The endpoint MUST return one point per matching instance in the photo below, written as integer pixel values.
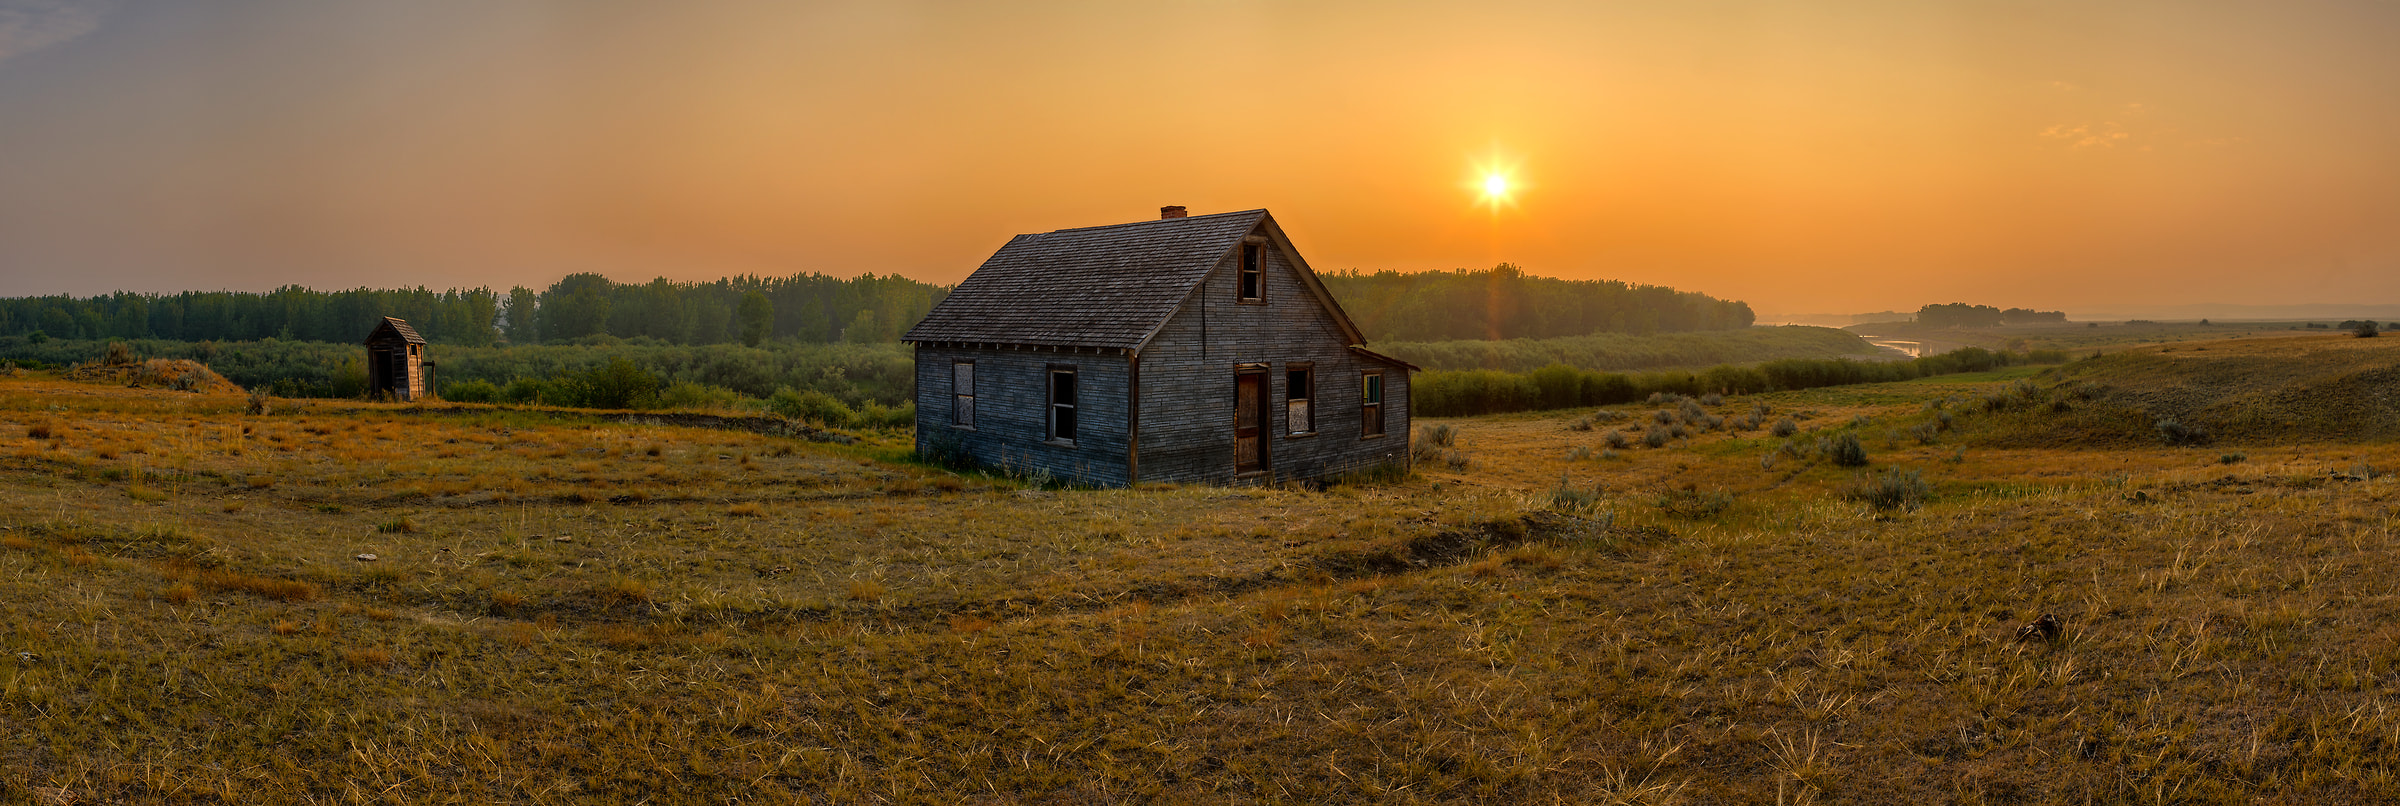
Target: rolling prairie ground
(585, 607)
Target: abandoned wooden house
(397, 366)
(1186, 349)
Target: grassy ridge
(2308, 388)
(598, 611)
(1628, 351)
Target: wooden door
(1249, 421)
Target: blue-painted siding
(1011, 412)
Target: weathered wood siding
(1011, 411)
(416, 374)
(1187, 384)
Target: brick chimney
(1171, 211)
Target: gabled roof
(397, 326)
(1110, 287)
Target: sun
(1496, 183)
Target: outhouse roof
(1109, 287)
(396, 326)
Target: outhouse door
(1249, 421)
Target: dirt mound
(178, 374)
(2302, 388)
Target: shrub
(1618, 440)
(2176, 433)
(471, 392)
(811, 406)
(1557, 386)
(1695, 504)
(877, 415)
(619, 384)
(526, 390)
(689, 395)
(1897, 489)
(1657, 436)
(1925, 432)
(1712, 399)
(1568, 499)
(1457, 461)
(1844, 450)
(1785, 427)
(2365, 330)
(2232, 458)
(1432, 439)
(945, 449)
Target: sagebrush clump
(1899, 488)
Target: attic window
(1253, 282)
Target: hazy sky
(1802, 156)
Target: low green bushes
(1485, 391)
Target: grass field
(584, 608)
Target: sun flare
(1495, 181)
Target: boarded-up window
(1299, 391)
(1253, 281)
(1062, 404)
(1371, 397)
(962, 394)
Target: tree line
(1960, 314)
(579, 308)
(1503, 302)
(290, 313)
(813, 308)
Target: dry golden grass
(1490, 635)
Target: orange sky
(1805, 157)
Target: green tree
(521, 324)
(758, 317)
(577, 306)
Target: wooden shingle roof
(397, 326)
(1108, 287)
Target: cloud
(30, 25)
(2106, 134)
